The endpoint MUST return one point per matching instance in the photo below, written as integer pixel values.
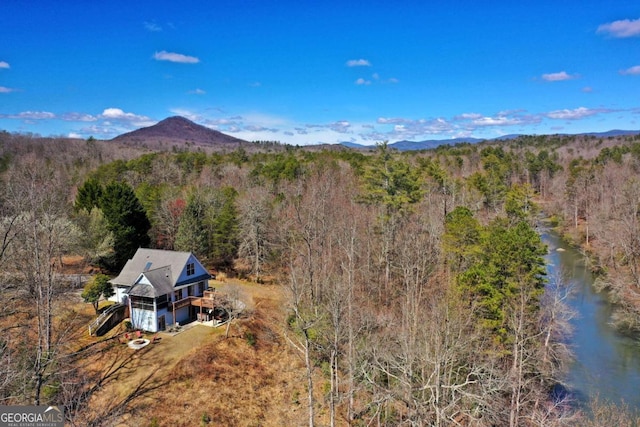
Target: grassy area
(199, 377)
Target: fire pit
(138, 343)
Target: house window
(177, 295)
(200, 288)
(162, 301)
(191, 269)
(143, 303)
(190, 291)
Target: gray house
(161, 288)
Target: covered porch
(208, 308)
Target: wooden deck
(211, 299)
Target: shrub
(251, 338)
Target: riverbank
(606, 364)
(610, 278)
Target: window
(162, 301)
(200, 288)
(177, 295)
(191, 269)
(143, 303)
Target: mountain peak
(178, 130)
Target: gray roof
(158, 258)
(160, 280)
(161, 268)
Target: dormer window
(191, 269)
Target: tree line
(415, 281)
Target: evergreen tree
(461, 238)
(126, 219)
(519, 204)
(225, 229)
(192, 235)
(89, 195)
(394, 187)
(510, 262)
(391, 182)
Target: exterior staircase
(108, 319)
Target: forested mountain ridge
(413, 280)
(178, 131)
(434, 143)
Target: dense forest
(415, 281)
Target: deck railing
(207, 301)
(104, 316)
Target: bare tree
(167, 220)
(628, 227)
(35, 190)
(555, 324)
(304, 319)
(254, 226)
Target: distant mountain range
(178, 131)
(433, 143)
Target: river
(607, 364)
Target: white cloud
(117, 114)
(390, 120)
(33, 115)
(633, 71)
(575, 114)
(194, 117)
(557, 77)
(74, 135)
(358, 63)
(341, 126)
(468, 116)
(197, 92)
(587, 89)
(411, 129)
(78, 117)
(474, 121)
(152, 27)
(105, 131)
(4, 64)
(29, 116)
(362, 82)
(257, 128)
(175, 57)
(4, 89)
(621, 29)
(497, 121)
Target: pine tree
(89, 195)
(126, 219)
(509, 263)
(192, 234)
(225, 226)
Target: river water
(607, 364)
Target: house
(161, 288)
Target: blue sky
(304, 72)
